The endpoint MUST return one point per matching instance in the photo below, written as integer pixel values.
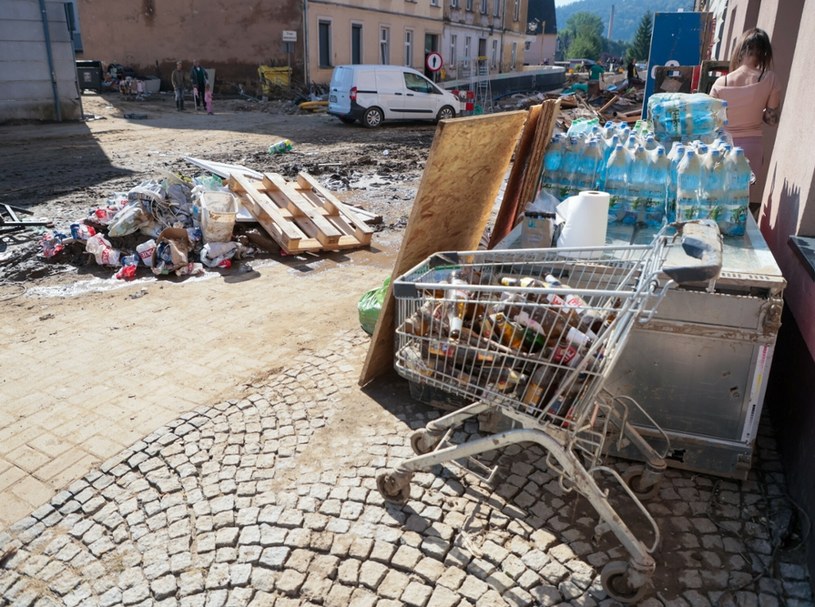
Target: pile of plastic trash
(168, 214)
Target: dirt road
(91, 364)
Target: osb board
(465, 167)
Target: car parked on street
(373, 94)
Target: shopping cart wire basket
(534, 334)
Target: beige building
(486, 33)
(394, 32)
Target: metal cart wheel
(616, 584)
(422, 441)
(394, 488)
(633, 477)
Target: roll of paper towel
(585, 218)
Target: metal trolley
(534, 334)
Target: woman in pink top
(752, 94)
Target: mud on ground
(62, 171)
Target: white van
(373, 93)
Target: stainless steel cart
(535, 334)
(700, 367)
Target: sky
(563, 2)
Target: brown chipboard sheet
(464, 172)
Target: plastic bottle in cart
(737, 183)
(688, 184)
(616, 182)
(457, 304)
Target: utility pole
(611, 23)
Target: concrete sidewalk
(269, 498)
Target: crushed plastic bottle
(281, 147)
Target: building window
(356, 43)
(516, 11)
(469, 5)
(434, 2)
(324, 40)
(494, 57)
(467, 40)
(514, 57)
(408, 47)
(384, 45)
(453, 3)
(483, 7)
(496, 8)
(453, 59)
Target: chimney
(611, 23)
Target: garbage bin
(89, 74)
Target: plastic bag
(102, 250)
(215, 253)
(127, 221)
(370, 305)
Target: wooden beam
(460, 182)
(326, 233)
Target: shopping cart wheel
(423, 441)
(395, 488)
(615, 581)
(633, 477)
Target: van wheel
(445, 113)
(347, 120)
(372, 118)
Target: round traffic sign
(433, 61)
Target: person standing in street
(208, 98)
(177, 80)
(596, 74)
(199, 79)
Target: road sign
(433, 61)
(289, 36)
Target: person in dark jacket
(199, 79)
(177, 79)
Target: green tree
(583, 36)
(641, 44)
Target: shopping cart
(534, 334)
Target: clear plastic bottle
(713, 186)
(616, 182)
(570, 165)
(637, 186)
(659, 178)
(591, 166)
(737, 183)
(688, 185)
(552, 160)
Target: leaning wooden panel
(464, 171)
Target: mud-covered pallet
(301, 216)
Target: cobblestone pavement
(270, 499)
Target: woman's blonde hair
(756, 42)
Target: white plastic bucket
(218, 212)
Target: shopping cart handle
(701, 240)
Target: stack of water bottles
(648, 185)
(686, 117)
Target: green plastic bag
(369, 306)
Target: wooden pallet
(301, 217)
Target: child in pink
(208, 97)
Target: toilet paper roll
(585, 218)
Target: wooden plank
(506, 214)
(452, 206)
(342, 214)
(527, 168)
(543, 133)
(301, 206)
(281, 228)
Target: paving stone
(371, 574)
(290, 581)
(163, 587)
(263, 580)
(393, 585)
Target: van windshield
(414, 82)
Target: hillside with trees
(628, 14)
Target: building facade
(787, 219)
(541, 33)
(38, 76)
